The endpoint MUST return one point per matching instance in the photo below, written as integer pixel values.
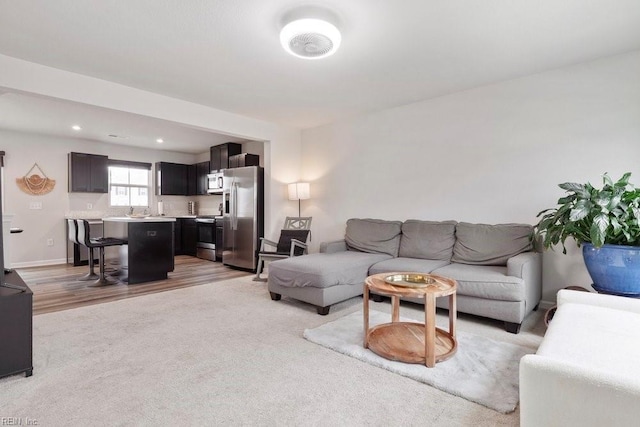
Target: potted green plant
(606, 223)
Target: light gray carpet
(224, 353)
(483, 370)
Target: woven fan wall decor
(34, 184)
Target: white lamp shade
(299, 191)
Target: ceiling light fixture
(159, 140)
(76, 127)
(310, 38)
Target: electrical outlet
(89, 206)
(49, 242)
(35, 205)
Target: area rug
(483, 370)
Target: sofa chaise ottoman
(498, 272)
(585, 372)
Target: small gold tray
(410, 280)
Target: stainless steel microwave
(215, 183)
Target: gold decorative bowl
(410, 280)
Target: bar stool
(73, 237)
(101, 243)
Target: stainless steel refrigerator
(243, 219)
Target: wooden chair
(297, 223)
(100, 243)
(292, 242)
(73, 237)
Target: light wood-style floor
(55, 287)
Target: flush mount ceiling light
(310, 38)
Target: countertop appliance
(243, 219)
(215, 183)
(206, 237)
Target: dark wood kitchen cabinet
(177, 237)
(220, 155)
(202, 170)
(171, 179)
(88, 173)
(16, 328)
(192, 180)
(197, 179)
(189, 236)
(185, 236)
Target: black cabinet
(197, 179)
(192, 180)
(189, 236)
(219, 240)
(220, 155)
(171, 179)
(177, 237)
(16, 328)
(185, 236)
(202, 170)
(244, 159)
(88, 173)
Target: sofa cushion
(483, 244)
(489, 282)
(323, 270)
(427, 239)
(373, 236)
(401, 264)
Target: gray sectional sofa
(498, 272)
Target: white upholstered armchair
(586, 372)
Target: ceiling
(46, 116)
(226, 53)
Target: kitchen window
(129, 183)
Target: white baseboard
(38, 263)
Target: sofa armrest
(558, 393)
(524, 264)
(528, 267)
(600, 300)
(334, 246)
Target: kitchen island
(148, 255)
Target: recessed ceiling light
(76, 127)
(310, 38)
(159, 140)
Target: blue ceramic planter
(615, 269)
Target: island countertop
(141, 219)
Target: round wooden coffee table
(411, 342)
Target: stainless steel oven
(206, 238)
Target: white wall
(281, 144)
(493, 154)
